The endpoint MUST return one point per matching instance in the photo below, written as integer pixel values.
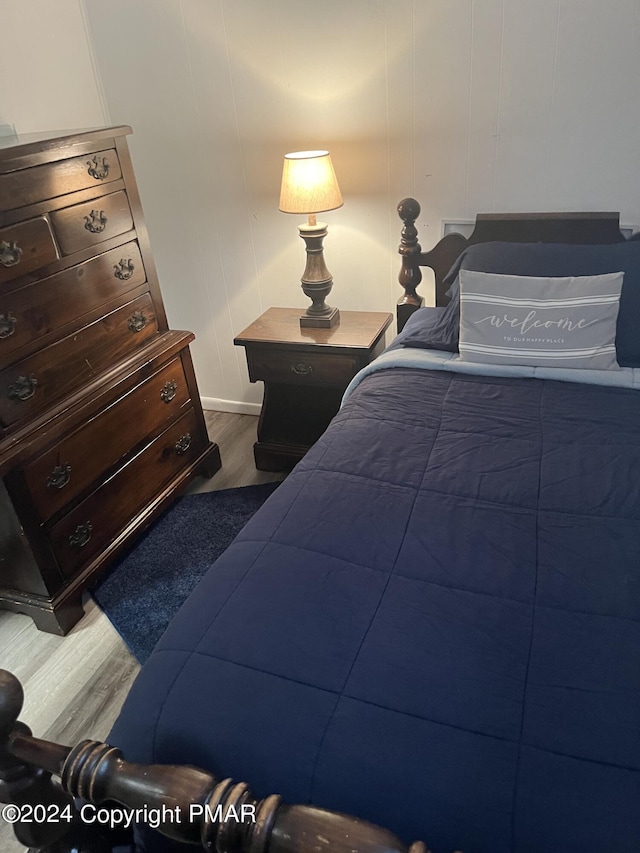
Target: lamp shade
(309, 183)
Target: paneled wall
(470, 105)
(48, 79)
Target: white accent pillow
(551, 322)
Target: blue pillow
(431, 328)
(552, 260)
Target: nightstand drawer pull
(81, 535)
(23, 388)
(10, 253)
(97, 169)
(96, 222)
(301, 369)
(7, 325)
(168, 391)
(59, 477)
(124, 269)
(183, 444)
(137, 321)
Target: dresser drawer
(298, 366)
(108, 511)
(30, 386)
(28, 314)
(80, 459)
(25, 247)
(27, 186)
(83, 225)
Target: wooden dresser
(100, 417)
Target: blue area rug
(144, 590)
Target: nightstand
(305, 372)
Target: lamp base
(327, 321)
(316, 281)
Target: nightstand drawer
(27, 186)
(300, 367)
(29, 387)
(107, 512)
(84, 225)
(80, 459)
(25, 247)
(38, 310)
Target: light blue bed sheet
(423, 359)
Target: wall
(48, 80)
(470, 105)
(217, 92)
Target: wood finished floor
(75, 685)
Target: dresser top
(48, 145)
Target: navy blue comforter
(434, 623)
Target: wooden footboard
(65, 799)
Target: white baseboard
(215, 404)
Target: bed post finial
(24, 784)
(410, 274)
(11, 700)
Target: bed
(433, 624)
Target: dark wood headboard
(509, 227)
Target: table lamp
(309, 186)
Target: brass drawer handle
(96, 222)
(10, 253)
(7, 325)
(301, 369)
(81, 535)
(98, 168)
(183, 444)
(124, 269)
(23, 388)
(59, 477)
(168, 391)
(137, 321)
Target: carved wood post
(192, 806)
(410, 274)
(440, 259)
(21, 783)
